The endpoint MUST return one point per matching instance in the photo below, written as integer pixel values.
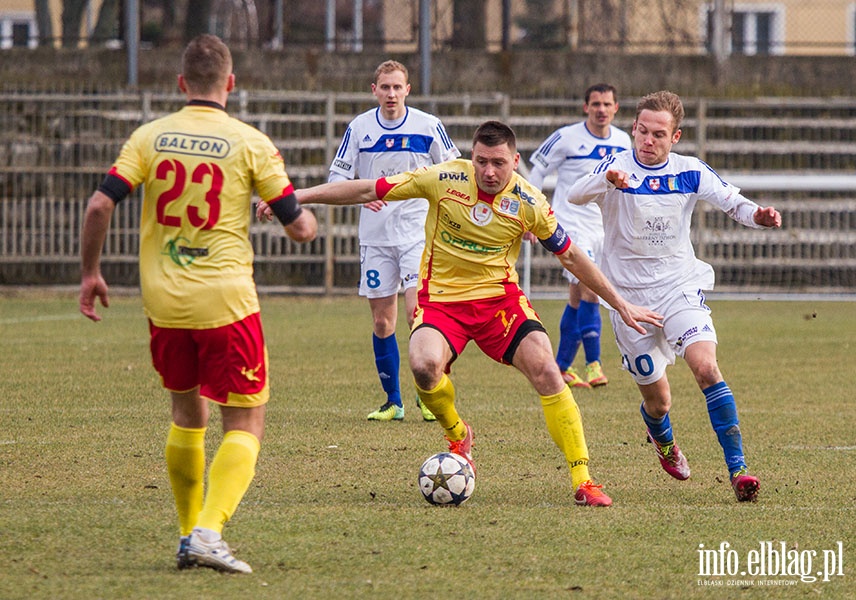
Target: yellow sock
(185, 463)
(566, 428)
(441, 402)
(231, 473)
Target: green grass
(335, 512)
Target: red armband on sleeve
(382, 187)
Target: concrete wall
(518, 73)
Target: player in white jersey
(573, 151)
(384, 141)
(647, 197)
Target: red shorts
(229, 363)
(496, 325)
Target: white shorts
(589, 242)
(384, 269)
(686, 321)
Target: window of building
(755, 29)
(18, 30)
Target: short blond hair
(388, 66)
(663, 101)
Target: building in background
(749, 27)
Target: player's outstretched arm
(96, 221)
(575, 261)
(352, 191)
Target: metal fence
(55, 149)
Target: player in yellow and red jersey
(198, 168)
(479, 211)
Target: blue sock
(723, 416)
(569, 338)
(588, 319)
(661, 429)
(387, 362)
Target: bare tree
(198, 15)
(107, 25)
(44, 23)
(72, 18)
(468, 24)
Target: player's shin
(566, 428)
(185, 463)
(722, 410)
(441, 402)
(387, 361)
(231, 473)
(569, 338)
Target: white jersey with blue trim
(573, 151)
(647, 250)
(373, 148)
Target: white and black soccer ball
(446, 479)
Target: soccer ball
(446, 479)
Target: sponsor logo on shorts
(250, 374)
(686, 336)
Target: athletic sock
(387, 361)
(723, 416)
(660, 429)
(185, 463)
(589, 322)
(566, 428)
(231, 473)
(569, 338)
(441, 402)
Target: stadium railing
(796, 154)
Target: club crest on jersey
(509, 206)
(654, 184)
(390, 142)
(481, 214)
(601, 151)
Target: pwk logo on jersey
(342, 164)
(481, 214)
(454, 176)
(509, 206)
(194, 145)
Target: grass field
(335, 512)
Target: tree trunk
(468, 24)
(107, 25)
(72, 17)
(198, 15)
(43, 22)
